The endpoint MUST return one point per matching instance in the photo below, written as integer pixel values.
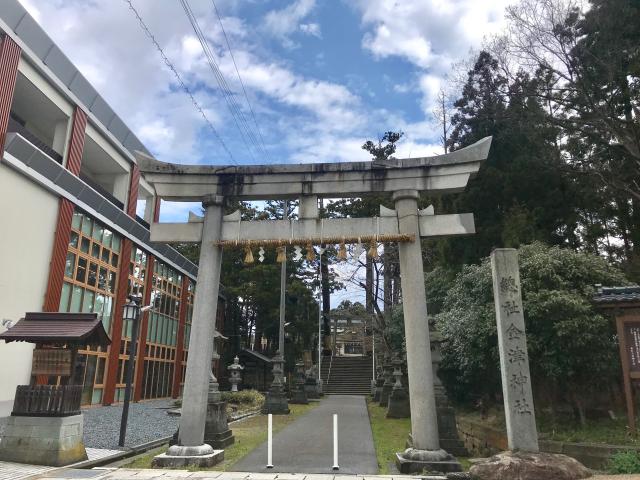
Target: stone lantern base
(276, 402)
(216, 429)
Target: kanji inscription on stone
(514, 360)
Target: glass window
(65, 297)
(85, 244)
(87, 303)
(98, 231)
(115, 244)
(87, 225)
(81, 271)
(73, 239)
(102, 279)
(95, 250)
(106, 239)
(76, 299)
(99, 304)
(93, 274)
(76, 220)
(70, 265)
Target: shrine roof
(617, 295)
(58, 328)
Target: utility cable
(253, 115)
(243, 126)
(178, 77)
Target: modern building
(70, 238)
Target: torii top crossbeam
(438, 174)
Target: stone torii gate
(403, 178)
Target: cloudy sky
(321, 77)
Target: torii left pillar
(191, 449)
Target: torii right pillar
(425, 452)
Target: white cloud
(311, 29)
(282, 23)
(430, 34)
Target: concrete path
(307, 444)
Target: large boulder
(529, 466)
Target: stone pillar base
(275, 403)
(413, 460)
(378, 394)
(183, 456)
(384, 395)
(525, 465)
(299, 397)
(216, 429)
(312, 390)
(220, 440)
(399, 404)
(52, 441)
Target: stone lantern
(235, 368)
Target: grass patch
(389, 435)
(249, 433)
(566, 429)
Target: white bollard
(335, 442)
(270, 441)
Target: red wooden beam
(9, 59)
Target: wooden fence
(47, 400)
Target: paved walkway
(20, 471)
(307, 444)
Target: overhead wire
(178, 77)
(245, 130)
(244, 90)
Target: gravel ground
(147, 421)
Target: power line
(253, 115)
(248, 137)
(184, 86)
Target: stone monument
(299, 395)
(524, 459)
(399, 399)
(235, 368)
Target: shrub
(246, 397)
(624, 462)
(572, 346)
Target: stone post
(299, 394)
(387, 386)
(514, 359)
(191, 449)
(426, 452)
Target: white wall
(28, 216)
